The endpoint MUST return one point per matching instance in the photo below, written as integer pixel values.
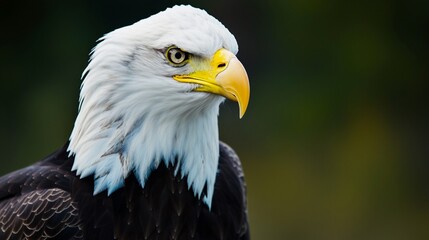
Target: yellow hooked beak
(223, 75)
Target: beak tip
(242, 109)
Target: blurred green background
(335, 143)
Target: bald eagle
(144, 160)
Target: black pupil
(178, 55)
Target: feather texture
(47, 201)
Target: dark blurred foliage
(335, 143)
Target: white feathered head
(151, 94)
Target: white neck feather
(126, 125)
(111, 145)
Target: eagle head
(151, 94)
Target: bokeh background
(335, 143)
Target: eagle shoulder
(230, 191)
(36, 202)
(40, 214)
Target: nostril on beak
(221, 65)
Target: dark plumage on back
(47, 201)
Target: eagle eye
(176, 56)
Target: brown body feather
(48, 201)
